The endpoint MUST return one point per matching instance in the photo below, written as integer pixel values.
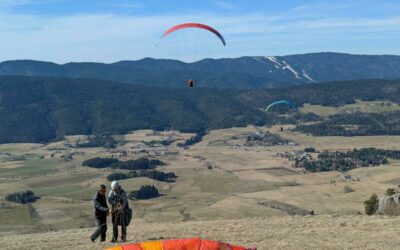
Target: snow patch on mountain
(307, 76)
(275, 61)
(283, 65)
(287, 66)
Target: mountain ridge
(247, 72)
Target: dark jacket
(100, 205)
(119, 196)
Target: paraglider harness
(190, 83)
(123, 215)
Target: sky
(107, 31)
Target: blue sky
(113, 30)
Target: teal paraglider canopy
(285, 102)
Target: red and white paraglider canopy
(195, 25)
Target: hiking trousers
(118, 221)
(101, 229)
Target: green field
(30, 168)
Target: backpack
(128, 216)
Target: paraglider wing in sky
(180, 244)
(289, 103)
(194, 25)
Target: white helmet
(114, 185)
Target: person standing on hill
(120, 210)
(101, 213)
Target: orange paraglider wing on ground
(132, 247)
(179, 244)
(173, 245)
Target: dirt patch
(290, 209)
(275, 171)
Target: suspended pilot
(190, 83)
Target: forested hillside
(43, 109)
(329, 94)
(37, 109)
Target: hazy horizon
(201, 59)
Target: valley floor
(221, 192)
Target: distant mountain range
(243, 72)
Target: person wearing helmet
(101, 213)
(118, 200)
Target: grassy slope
(241, 178)
(320, 232)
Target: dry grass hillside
(318, 232)
(226, 190)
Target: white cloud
(13, 3)
(328, 6)
(224, 5)
(126, 5)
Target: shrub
(145, 192)
(156, 163)
(165, 142)
(310, 150)
(138, 164)
(390, 192)
(194, 139)
(117, 177)
(100, 162)
(161, 176)
(345, 161)
(153, 174)
(265, 139)
(22, 197)
(371, 205)
(106, 141)
(355, 124)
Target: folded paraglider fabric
(179, 244)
